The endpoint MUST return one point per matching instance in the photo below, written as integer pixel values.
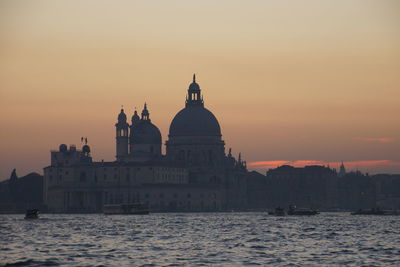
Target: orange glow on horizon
(350, 165)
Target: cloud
(268, 164)
(349, 164)
(375, 139)
(276, 163)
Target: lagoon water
(199, 239)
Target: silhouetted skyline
(299, 83)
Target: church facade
(195, 174)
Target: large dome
(194, 121)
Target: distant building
(194, 175)
(387, 188)
(311, 186)
(19, 194)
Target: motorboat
(32, 214)
(293, 210)
(277, 212)
(375, 212)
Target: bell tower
(122, 136)
(135, 123)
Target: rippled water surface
(200, 239)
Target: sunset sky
(291, 82)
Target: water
(199, 239)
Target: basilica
(195, 174)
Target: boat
(293, 210)
(32, 214)
(277, 212)
(134, 208)
(376, 212)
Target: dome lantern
(121, 117)
(194, 97)
(135, 118)
(145, 113)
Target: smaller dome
(145, 132)
(86, 149)
(194, 86)
(122, 116)
(63, 148)
(135, 118)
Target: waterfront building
(195, 174)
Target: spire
(342, 170)
(194, 77)
(13, 176)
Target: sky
(291, 82)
